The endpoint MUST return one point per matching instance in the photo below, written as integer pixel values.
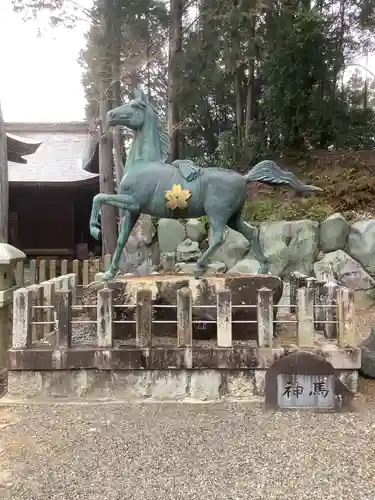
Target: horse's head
(151, 140)
(132, 114)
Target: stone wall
(343, 250)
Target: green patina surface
(149, 186)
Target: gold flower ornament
(177, 197)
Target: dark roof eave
(83, 182)
(18, 147)
(91, 150)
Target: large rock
(145, 228)
(232, 250)
(168, 261)
(245, 266)
(195, 230)
(346, 271)
(170, 234)
(361, 244)
(289, 246)
(188, 251)
(141, 254)
(334, 233)
(368, 355)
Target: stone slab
(138, 385)
(238, 357)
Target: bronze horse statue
(180, 190)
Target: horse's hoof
(95, 232)
(263, 269)
(198, 271)
(109, 275)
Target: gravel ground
(174, 451)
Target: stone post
(105, 318)
(265, 317)
(9, 256)
(305, 317)
(297, 280)
(184, 318)
(224, 318)
(330, 310)
(347, 333)
(64, 318)
(320, 301)
(144, 318)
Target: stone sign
(305, 391)
(305, 381)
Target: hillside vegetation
(347, 177)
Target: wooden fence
(47, 312)
(39, 271)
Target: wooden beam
(4, 186)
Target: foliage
(205, 221)
(272, 78)
(137, 52)
(257, 78)
(60, 12)
(274, 209)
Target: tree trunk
(108, 214)
(148, 58)
(238, 96)
(4, 193)
(117, 101)
(339, 51)
(175, 48)
(250, 83)
(238, 73)
(365, 94)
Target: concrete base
(138, 385)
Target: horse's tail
(268, 172)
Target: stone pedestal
(9, 256)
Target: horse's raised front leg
(124, 201)
(128, 223)
(218, 229)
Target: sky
(40, 76)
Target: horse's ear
(139, 94)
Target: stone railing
(45, 317)
(9, 257)
(40, 270)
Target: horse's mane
(162, 131)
